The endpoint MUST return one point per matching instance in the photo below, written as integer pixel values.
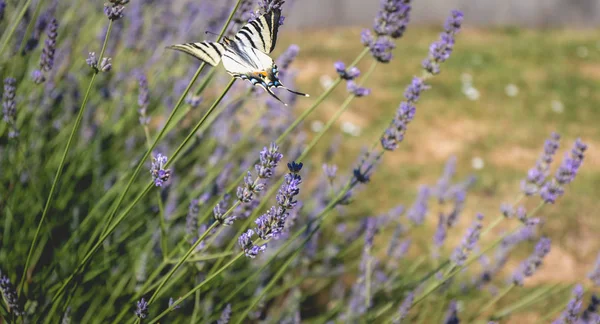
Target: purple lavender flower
(404, 308)
(507, 210)
(357, 90)
(92, 61)
(285, 60)
(346, 74)
(114, 9)
(366, 166)
(460, 254)
(160, 175)
(245, 242)
(141, 310)
(536, 175)
(571, 312)
(272, 223)
(330, 171)
(9, 106)
(595, 274)
(381, 49)
(390, 23)
(440, 235)
(172, 301)
(591, 312)
(242, 15)
(193, 100)
(10, 295)
(143, 100)
(105, 64)
(418, 210)
(565, 174)
(533, 262)
(452, 314)
(2, 8)
(47, 57)
(394, 134)
(266, 6)
(440, 51)
(38, 76)
(459, 204)
(220, 211)
(225, 315)
(191, 221)
(443, 183)
(268, 160)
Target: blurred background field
(499, 97)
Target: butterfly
(246, 56)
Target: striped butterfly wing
(209, 52)
(261, 33)
(240, 60)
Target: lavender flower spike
(571, 312)
(114, 9)
(533, 262)
(47, 57)
(595, 274)
(10, 295)
(268, 160)
(440, 51)
(418, 211)
(141, 310)
(390, 23)
(452, 314)
(394, 134)
(565, 174)
(9, 106)
(537, 174)
(143, 100)
(160, 175)
(225, 315)
(404, 308)
(245, 242)
(590, 314)
(2, 8)
(460, 254)
(272, 223)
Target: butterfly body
(246, 56)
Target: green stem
(493, 301)
(161, 208)
(532, 298)
(60, 167)
(191, 292)
(181, 261)
(36, 13)
(14, 27)
(457, 269)
(272, 282)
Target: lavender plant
(229, 235)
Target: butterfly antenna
(274, 96)
(296, 92)
(207, 32)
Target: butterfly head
(269, 79)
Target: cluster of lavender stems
(283, 218)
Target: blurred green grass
(556, 73)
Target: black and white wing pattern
(243, 60)
(261, 33)
(209, 52)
